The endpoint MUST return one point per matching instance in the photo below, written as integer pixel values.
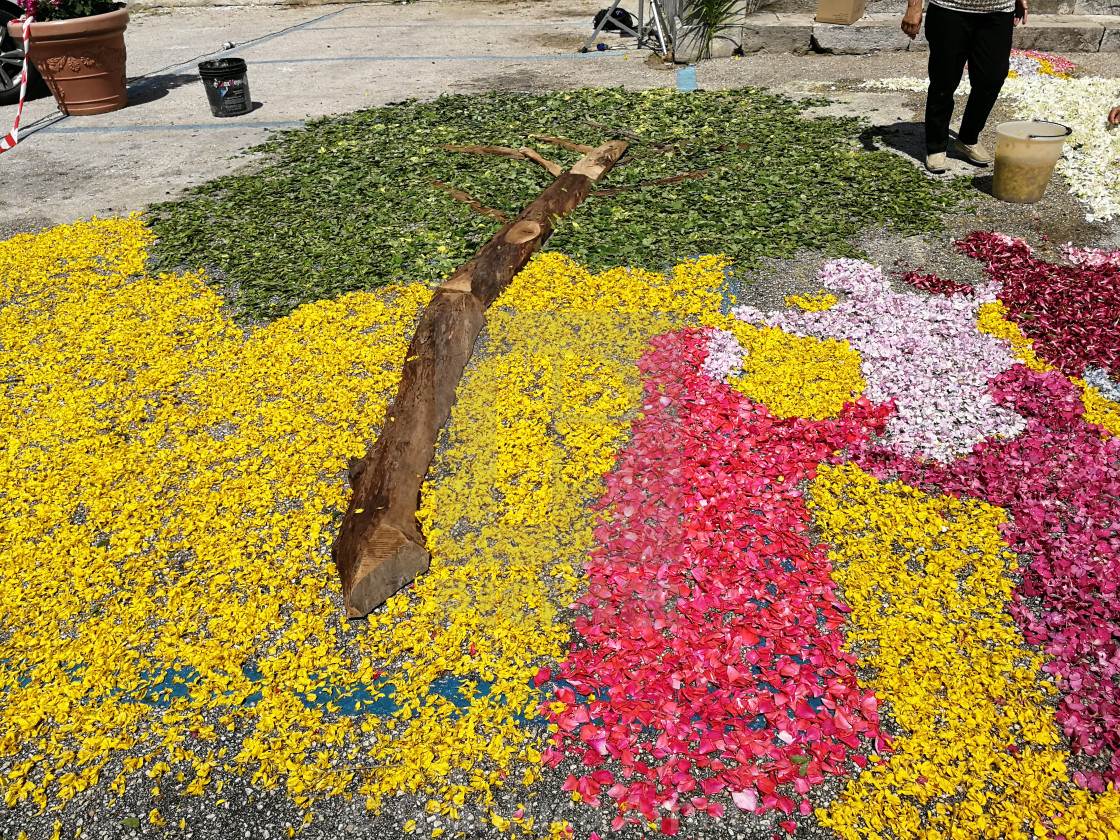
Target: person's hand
(912, 20)
(1021, 12)
(1114, 116)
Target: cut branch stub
(477, 206)
(675, 179)
(379, 547)
(553, 168)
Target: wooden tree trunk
(379, 547)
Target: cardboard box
(840, 11)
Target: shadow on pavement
(157, 87)
(909, 138)
(983, 183)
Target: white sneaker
(936, 163)
(975, 154)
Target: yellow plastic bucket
(1026, 152)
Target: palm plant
(715, 16)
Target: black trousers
(983, 40)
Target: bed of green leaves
(348, 203)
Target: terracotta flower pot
(82, 60)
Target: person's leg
(948, 35)
(988, 62)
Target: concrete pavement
(303, 63)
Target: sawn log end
(387, 562)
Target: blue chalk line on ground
(161, 686)
(120, 129)
(686, 79)
(431, 58)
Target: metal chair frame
(651, 33)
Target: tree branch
(688, 176)
(379, 547)
(478, 206)
(535, 156)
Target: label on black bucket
(229, 96)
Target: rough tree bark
(379, 547)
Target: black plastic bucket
(227, 86)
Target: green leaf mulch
(348, 202)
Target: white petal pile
(910, 83)
(1022, 65)
(1092, 153)
(925, 353)
(725, 356)
(1090, 257)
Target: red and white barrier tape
(12, 137)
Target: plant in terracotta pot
(78, 48)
